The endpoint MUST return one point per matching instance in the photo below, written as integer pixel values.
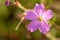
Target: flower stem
(19, 23)
(23, 8)
(19, 5)
(43, 1)
(51, 36)
(55, 25)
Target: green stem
(43, 1)
(23, 8)
(19, 23)
(58, 27)
(51, 36)
(19, 5)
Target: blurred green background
(10, 17)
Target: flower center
(40, 18)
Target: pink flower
(7, 2)
(38, 18)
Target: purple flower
(6, 2)
(38, 18)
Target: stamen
(40, 19)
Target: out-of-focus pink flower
(38, 18)
(7, 2)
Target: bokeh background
(11, 15)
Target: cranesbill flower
(38, 17)
(7, 2)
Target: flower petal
(39, 8)
(33, 26)
(47, 15)
(44, 27)
(30, 15)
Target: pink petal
(33, 26)
(47, 15)
(39, 8)
(30, 15)
(43, 27)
